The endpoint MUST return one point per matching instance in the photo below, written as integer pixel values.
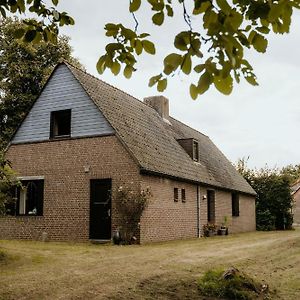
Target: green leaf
(115, 68)
(143, 35)
(19, 33)
(158, 18)
(101, 64)
(199, 68)
(259, 43)
(203, 8)
(3, 13)
(193, 91)
(252, 80)
(182, 40)
(173, 60)
(224, 6)
(29, 36)
(148, 47)
(204, 82)
(224, 85)
(170, 11)
(38, 38)
(162, 85)
(138, 47)
(275, 12)
(134, 5)
(128, 33)
(187, 64)
(55, 2)
(128, 72)
(154, 79)
(263, 29)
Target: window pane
(175, 194)
(60, 123)
(183, 195)
(30, 198)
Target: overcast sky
(261, 122)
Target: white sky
(261, 122)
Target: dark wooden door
(100, 209)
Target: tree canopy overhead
(212, 44)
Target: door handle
(108, 212)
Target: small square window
(60, 123)
(195, 151)
(30, 198)
(235, 204)
(183, 195)
(175, 194)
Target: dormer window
(195, 151)
(60, 124)
(191, 146)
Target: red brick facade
(68, 166)
(66, 184)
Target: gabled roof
(152, 142)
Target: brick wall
(67, 193)
(223, 207)
(67, 186)
(165, 219)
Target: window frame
(54, 115)
(235, 204)
(183, 196)
(39, 198)
(176, 194)
(195, 151)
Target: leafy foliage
(8, 180)
(130, 205)
(44, 27)
(24, 69)
(214, 49)
(238, 286)
(274, 201)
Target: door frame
(91, 209)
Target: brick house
(83, 139)
(295, 190)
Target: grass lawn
(36, 270)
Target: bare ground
(36, 270)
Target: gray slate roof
(152, 142)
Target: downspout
(198, 212)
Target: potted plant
(224, 229)
(209, 230)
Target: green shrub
(236, 287)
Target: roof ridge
(190, 127)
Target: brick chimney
(160, 104)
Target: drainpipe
(198, 212)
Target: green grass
(239, 286)
(171, 270)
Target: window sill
(30, 216)
(60, 137)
